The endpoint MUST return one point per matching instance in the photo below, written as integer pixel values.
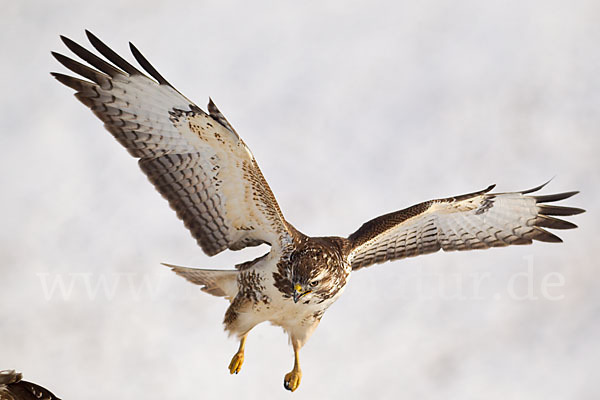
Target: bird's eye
(314, 283)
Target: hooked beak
(299, 292)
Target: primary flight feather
(198, 162)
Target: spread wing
(195, 159)
(477, 220)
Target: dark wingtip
(554, 197)
(91, 58)
(91, 36)
(147, 66)
(545, 236)
(553, 223)
(111, 55)
(58, 56)
(551, 238)
(66, 61)
(72, 82)
(79, 68)
(535, 189)
(546, 209)
(65, 39)
(58, 76)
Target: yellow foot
(292, 380)
(236, 363)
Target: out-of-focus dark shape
(13, 388)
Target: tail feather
(221, 283)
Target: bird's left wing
(195, 159)
(477, 220)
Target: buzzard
(199, 163)
(13, 388)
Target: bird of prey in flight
(199, 163)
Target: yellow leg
(292, 379)
(238, 358)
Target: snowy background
(353, 109)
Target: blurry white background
(353, 109)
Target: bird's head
(316, 273)
(302, 290)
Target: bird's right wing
(195, 159)
(477, 220)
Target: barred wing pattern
(195, 160)
(477, 220)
